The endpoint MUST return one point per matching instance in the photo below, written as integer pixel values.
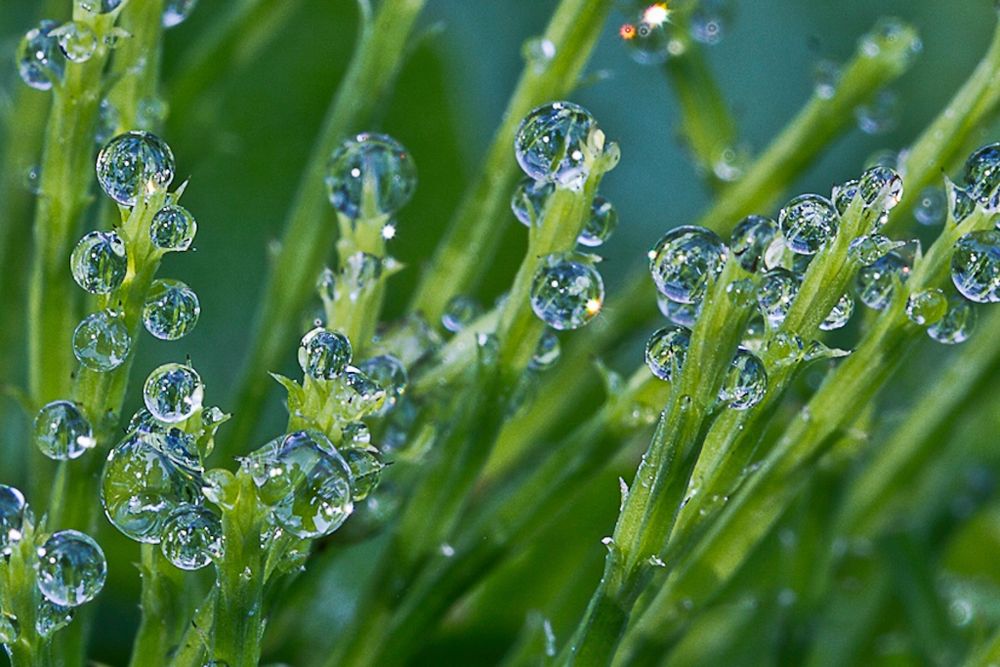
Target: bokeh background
(244, 137)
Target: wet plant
(779, 426)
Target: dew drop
(389, 373)
(869, 249)
(151, 113)
(684, 261)
(101, 342)
(134, 165)
(173, 393)
(12, 508)
(775, 295)
(745, 383)
(9, 628)
(566, 294)
(808, 222)
(546, 352)
(600, 225)
(221, 487)
(77, 41)
(975, 266)
(324, 354)
(528, 200)
(982, 172)
(355, 435)
(176, 12)
(551, 144)
(62, 432)
(880, 114)
(665, 351)
(682, 314)
(926, 307)
(840, 315)
(192, 537)
(71, 568)
(881, 188)
(40, 61)
(171, 310)
(751, 238)
(460, 312)
(33, 179)
(51, 618)
(99, 262)
(370, 175)
(957, 324)
(101, 6)
(366, 469)
(875, 281)
(826, 78)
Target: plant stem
(22, 599)
(309, 231)
(164, 607)
(193, 642)
(465, 252)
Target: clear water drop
(173, 393)
(745, 383)
(71, 568)
(389, 373)
(99, 262)
(600, 225)
(962, 203)
(355, 435)
(192, 537)
(101, 342)
(459, 312)
(750, 239)
(776, 294)
(880, 115)
(982, 172)
(551, 143)
(134, 165)
(685, 260)
(931, 206)
(10, 629)
(808, 222)
(324, 354)
(528, 200)
(173, 228)
(869, 249)
(370, 175)
(366, 470)
(101, 6)
(975, 266)
(956, 325)
(840, 315)
(51, 618)
(546, 352)
(566, 294)
(62, 432)
(875, 281)
(666, 349)
(40, 62)
(176, 12)
(881, 188)
(171, 310)
(826, 78)
(926, 306)
(77, 41)
(682, 314)
(12, 509)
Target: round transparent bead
(389, 373)
(176, 12)
(776, 294)
(173, 393)
(551, 144)
(600, 225)
(171, 310)
(750, 239)
(101, 342)
(975, 266)
(546, 352)
(324, 354)
(366, 471)
(682, 314)
(101, 6)
(40, 62)
(982, 172)
(173, 228)
(12, 508)
(528, 200)
(926, 306)
(134, 165)
(666, 349)
(566, 294)
(77, 41)
(957, 324)
(840, 315)
(62, 432)
(71, 568)
(685, 260)
(808, 222)
(875, 281)
(459, 312)
(370, 175)
(99, 262)
(745, 383)
(192, 537)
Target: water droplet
(366, 470)
(745, 383)
(173, 392)
(566, 294)
(551, 144)
(107, 122)
(101, 342)
(324, 354)
(538, 52)
(176, 12)
(666, 349)
(171, 310)
(40, 62)
(926, 306)
(76, 40)
(62, 432)
(389, 373)
(931, 206)
(306, 482)
(879, 115)
(141, 484)
(808, 222)
(684, 261)
(99, 262)
(355, 435)
(460, 312)
(546, 352)
(528, 200)
(370, 175)
(683, 314)
(221, 487)
(12, 508)
(751, 238)
(709, 20)
(826, 78)
(869, 249)
(785, 347)
(881, 188)
(982, 172)
(134, 165)
(975, 266)
(600, 225)
(101, 6)
(649, 44)
(740, 292)
(875, 281)
(192, 537)
(775, 295)
(957, 324)
(840, 315)
(71, 568)
(173, 228)
(52, 618)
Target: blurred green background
(244, 139)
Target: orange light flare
(627, 32)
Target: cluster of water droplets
(653, 37)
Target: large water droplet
(751, 238)
(173, 392)
(926, 306)
(840, 315)
(745, 383)
(134, 165)
(52, 618)
(775, 295)
(684, 261)
(101, 342)
(40, 62)
(600, 225)
(875, 281)
(370, 175)
(666, 349)
(975, 266)
(881, 188)
(566, 294)
(192, 537)
(546, 352)
(460, 312)
(176, 12)
(957, 324)
(551, 143)
(306, 482)
(71, 568)
(141, 485)
(324, 354)
(982, 172)
(173, 228)
(62, 432)
(171, 310)
(808, 223)
(99, 262)
(366, 471)
(12, 507)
